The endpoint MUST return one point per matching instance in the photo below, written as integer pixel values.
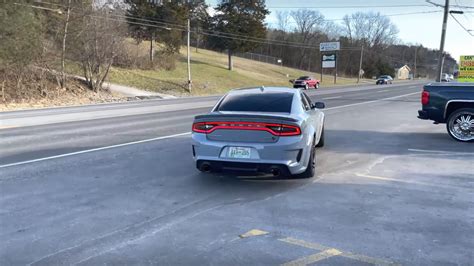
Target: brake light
(425, 97)
(275, 129)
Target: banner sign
(329, 46)
(329, 60)
(466, 68)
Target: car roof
(262, 90)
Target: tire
(321, 140)
(306, 87)
(311, 167)
(464, 131)
(316, 86)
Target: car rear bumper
(423, 115)
(289, 154)
(243, 167)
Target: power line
(169, 26)
(462, 26)
(345, 6)
(386, 15)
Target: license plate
(239, 152)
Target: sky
(424, 29)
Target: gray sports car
(266, 130)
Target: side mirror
(318, 105)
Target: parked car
(451, 104)
(306, 82)
(260, 130)
(445, 77)
(384, 79)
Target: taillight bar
(275, 129)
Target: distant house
(403, 72)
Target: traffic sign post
(329, 60)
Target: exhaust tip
(275, 172)
(205, 167)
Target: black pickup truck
(451, 104)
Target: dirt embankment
(39, 89)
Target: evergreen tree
(238, 17)
(166, 21)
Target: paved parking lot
(390, 190)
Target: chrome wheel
(306, 87)
(461, 125)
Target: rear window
(304, 77)
(260, 102)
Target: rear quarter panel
(441, 95)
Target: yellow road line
(303, 243)
(314, 258)
(329, 252)
(7, 126)
(368, 259)
(407, 181)
(253, 232)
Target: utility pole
(189, 56)
(335, 69)
(321, 79)
(360, 63)
(414, 69)
(441, 46)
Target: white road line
(441, 152)
(330, 98)
(93, 150)
(168, 137)
(383, 91)
(374, 101)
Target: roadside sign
(329, 60)
(329, 46)
(466, 68)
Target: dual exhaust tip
(206, 167)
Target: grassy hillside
(210, 75)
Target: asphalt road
(116, 184)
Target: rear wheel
(317, 85)
(321, 140)
(460, 125)
(311, 167)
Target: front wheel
(460, 125)
(306, 87)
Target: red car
(306, 83)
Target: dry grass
(210, 74)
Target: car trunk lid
(247, 127)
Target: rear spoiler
(217, 117)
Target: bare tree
(373, 29)
(283, 20)
(308, 26)
(63, 50)
(96, 43)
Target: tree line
(91, 36)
